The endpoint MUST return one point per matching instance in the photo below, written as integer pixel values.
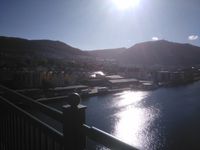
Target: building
(123, 83)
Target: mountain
(17, 52)
(162, 52)
(45, 48)
(107, 53)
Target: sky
(102, 24)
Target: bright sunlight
(126, 4)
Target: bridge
(26, 124)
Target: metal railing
(20, 129)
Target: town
(85, 78)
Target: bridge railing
(20, 129)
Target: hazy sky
(97, 24)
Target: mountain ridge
(161, 52)
(18, 45)
(148, 53)
(107, 53)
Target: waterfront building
(123, 83)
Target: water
(167, 118)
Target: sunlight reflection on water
(133, 120)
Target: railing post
(74, 118)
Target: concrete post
(74, 118)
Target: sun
(126, 4)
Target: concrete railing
(22, 129)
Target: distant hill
(161, 52)
(47, 48)
(17, 52)
(107, 53)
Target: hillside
(41, 47)
(107, 53)
(26, 53)
(161, 52)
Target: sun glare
(134, 120)
(126, 4)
